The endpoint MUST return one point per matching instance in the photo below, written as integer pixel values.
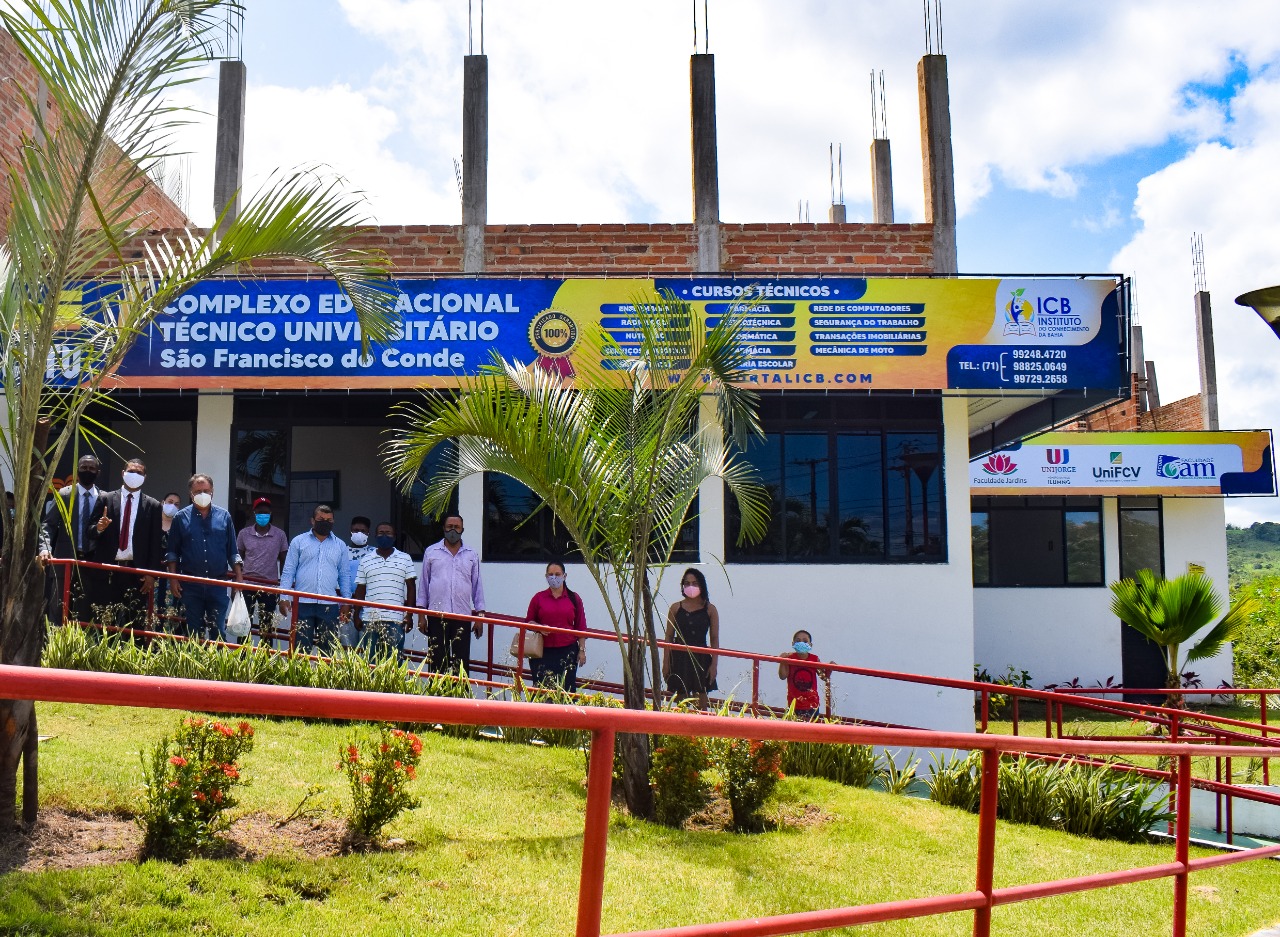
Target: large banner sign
(1005, 335)
(1170, 464)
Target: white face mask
(359, 538)
(202, 500)
(170, 509)
(134, 480)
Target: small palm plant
(1171, 612)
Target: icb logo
(1057, 456)
(1019, 314)
(1172, 466)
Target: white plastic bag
(238, 622)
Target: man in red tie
(128, 533)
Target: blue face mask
(262, 519)
(385, 542)
(802, 647)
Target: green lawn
(495, 849)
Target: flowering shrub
(189, 782)
(679, 788)
(751, 769)
(379, 779)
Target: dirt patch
(717, 816)
(64, 840)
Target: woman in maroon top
(559, 607)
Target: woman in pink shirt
(562, 654)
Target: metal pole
(987, 839)
(1266, 762)
(985, 707)
(1181, 846)
(595, 835)
(489, 667)
(755, 686)
(1231, 780)
(293, 625)
(519, 668)
(66, 589)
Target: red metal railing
(1181, 724)
(208, 696)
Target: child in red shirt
(802, 678)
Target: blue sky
(1089, 137)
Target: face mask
(134, 480)
(86, 478)
(202, 500)
(554, 581)
(322, 527)
(802, 647)
(262, 519)
(386, 542)
(359, 538)
(453, 536)
(170, 509)
(691, 592)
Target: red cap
(260, 502)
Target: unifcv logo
(1171, 466)
(999, 464)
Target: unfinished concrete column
(882, 182)
(475, 160)
(228, 164)
(1139, 367)
(706, 173)
(939, 165)
(1208, 365)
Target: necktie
(124, 523)
(86, 510)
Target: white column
(213, 443)
(471, 507)
(711, 533)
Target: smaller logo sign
(1172, 466)
(999, 464)
(1117, 458)
(1057, 456)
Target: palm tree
(617, 455)
(1171, 612)
(109, 67)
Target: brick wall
(154, 208)
(1178, 416)
(647, 250)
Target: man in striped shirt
(385, 575)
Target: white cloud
(1229, 193)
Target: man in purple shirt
(450, 582)
(262, 548)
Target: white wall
(916, 618)
(1195, 532)
(1060, 634)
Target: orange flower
(245, 729)
(353, 754)
(384, 748)
(230, 771)
(411, 771)
(200, 797)
(223, 730)
(416, 747)
(178, 760)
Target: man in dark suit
(70, 540)
(127, 531)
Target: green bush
(379, 776)
(1028, 791)
(189, 782)
(893, 779)
(1086, 800)
(677, 774)
(852, 765)
(956, 782)
(750, 770)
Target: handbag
(532, 644)
(238, 621)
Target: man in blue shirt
(318, 562)
(202, 542)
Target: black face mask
(87, 477)
(322, 528)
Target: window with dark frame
(1036, 541)
(1141, 536)
(851, 480)
(519, 528)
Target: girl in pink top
(562, 654)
